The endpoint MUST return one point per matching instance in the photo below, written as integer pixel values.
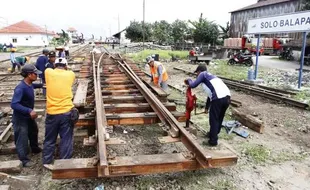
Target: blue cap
(30, 68)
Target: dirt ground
(277, 159)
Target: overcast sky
(100, 17)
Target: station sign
(294, 22)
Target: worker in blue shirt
(24, 124)
(13, 60)
(51, 61)
(49, 64)
(218, 100)
(41, 61)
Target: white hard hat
(149, 59)
(61, 60)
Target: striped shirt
(217, 88)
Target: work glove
(186, 82)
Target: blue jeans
(14, 66)
(58, 124)
(164, 86)
(216, 116)
(24, 130)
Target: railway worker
(13, 60)
(61, 113)
(24, 124)
(159, 73)
(50, 64)
(67, 51)
(61, 52)
(192, 52)
(41, 62)
(21, 61)
(51, 60)
(219, 101)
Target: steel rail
(269, 89)
(260, 92)
(200, 154)
(101, 121)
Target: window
(14, 40)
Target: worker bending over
(219, 100)
(159, 73)
(60, 115)
(17, 61)
(24, 124)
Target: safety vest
(154, 72)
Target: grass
(288, 156)
(163, 54)
(258, 153)
(224, 185)
(302, 95)
(229, 71)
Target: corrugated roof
(262, 4)
(24, 27)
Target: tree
(162, 32)
(305, 5)
(134, 31)
(225, 30)
(63, 38)
(180, 31)
(205, 31)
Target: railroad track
(33, 54)
(7, 85)
(116, 93)
(259, 90)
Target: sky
(100, 17)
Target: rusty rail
(165, 116)
(101, 121)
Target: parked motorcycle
(240, 58)
(286, 54)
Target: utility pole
(119, 28)
(143, 27)
(110, 30)
(47, 43)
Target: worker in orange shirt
(159, 73)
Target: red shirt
(192, 53)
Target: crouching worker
(219, 101)
(24, 124)
(61, 113)
(159, 73)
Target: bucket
(251, 74)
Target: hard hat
(46, 51)
(149, 59)
(13, 49)
(61, 60)
(59, 48)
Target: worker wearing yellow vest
(159, 73)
